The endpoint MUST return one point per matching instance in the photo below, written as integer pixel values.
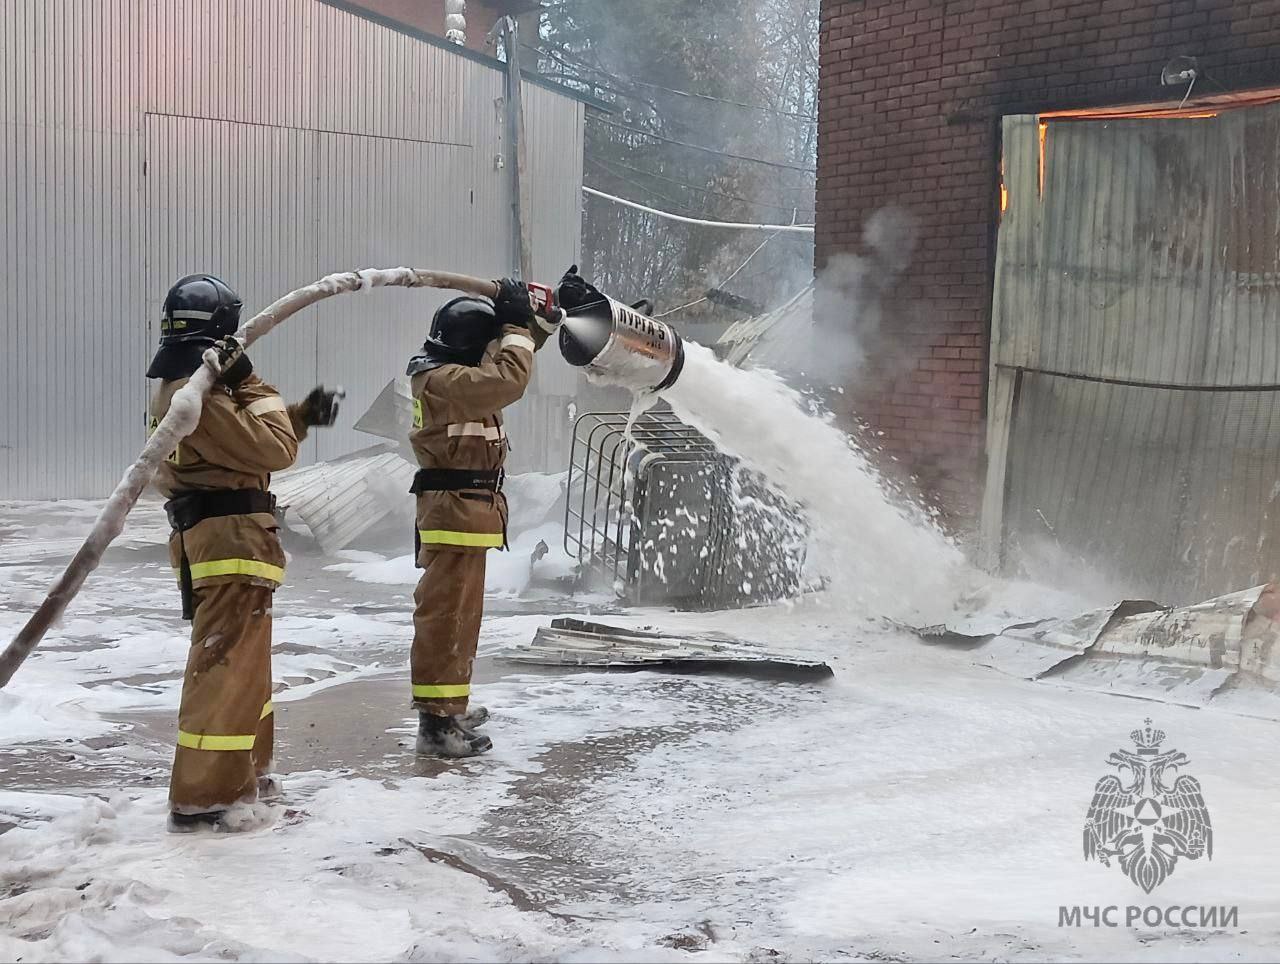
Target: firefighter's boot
(447, 736)
(195, 822)
(270, 787)
(474, 717)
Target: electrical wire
(812, 118)
(604, 168)
(701, 222)
(732, 275)
(608, 169)
(706, 190)
(591, 83)
(558, 55)
(698, 147)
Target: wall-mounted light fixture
(1181, 70)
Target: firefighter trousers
(449, 604)
(225, 720)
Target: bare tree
(712, 115)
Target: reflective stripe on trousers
(440, 691)
(210, 741)
(449, 537)
(237, 567)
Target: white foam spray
(881, 556)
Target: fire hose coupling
(546, 312)
(616, 343)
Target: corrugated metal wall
(1135, 381)
(71, 251)
(269, 141)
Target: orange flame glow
(1044, 138)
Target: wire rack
(659, 514)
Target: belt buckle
(173, 511)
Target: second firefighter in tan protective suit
(224, 549)
(476, 361)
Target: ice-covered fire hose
(181, 420)
(607, 339)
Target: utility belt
(452, 480)
(188, 509)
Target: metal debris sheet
(573, 642)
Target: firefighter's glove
(575, 291)
(233, 363)
(512, 305)
(550, 321)
(320, 408)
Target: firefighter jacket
(244, 434)
(457, 420)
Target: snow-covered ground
(916, 806)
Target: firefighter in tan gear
(476, 361)
(224, 549)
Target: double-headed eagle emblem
(1141, 819)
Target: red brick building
(911, 96)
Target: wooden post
(521, 215)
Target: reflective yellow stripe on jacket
(490, 433)
(272, 403)
(237, 567)
(440, 691)
(448, 537)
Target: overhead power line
(576, 64)
(720, 100)
(705, 190)
(609, 172)
(733, 275)
(590, 83)
(702, 222)
(706, 150)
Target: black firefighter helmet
(198, 311)
(461, 329)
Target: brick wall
(911, 93)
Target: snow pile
(648, 817)
(534, 498)
(510, 573)
(97, 669)
(882, 555)
(29, 717)
(507, 573)
(106, 878)
(372, 568)
(378, 869)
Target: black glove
(232, 361)
(320, 408)
(575, 291)
(512, 305)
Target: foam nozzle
(582, 340)
(618, 345)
